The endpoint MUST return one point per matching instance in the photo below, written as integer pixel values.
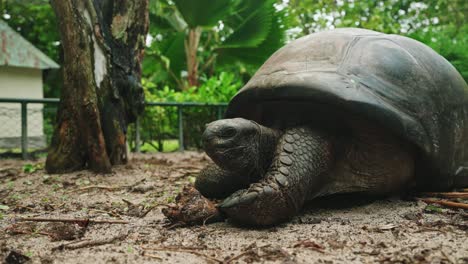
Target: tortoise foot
(214, 182)
(262, 204)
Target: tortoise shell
(396, 81)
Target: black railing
(51, 112)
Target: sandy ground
(339, 230)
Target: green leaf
(164, 17)
(254, 27)
(257, 55)
(432, 209)
(4, 207)
(173, 50)
(29, 168)
(159, 23)
(203, 13)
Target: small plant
(192, 179)
(10, 184)
(57, 186)
(31, 168)
(81, 182)
(130, 249)
(27, 182)
(158, 126)
(170, 199)
(432, 209)
(51, 179)
(16, 197)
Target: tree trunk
(191, 49)
(103, 42)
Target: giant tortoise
(341, 111)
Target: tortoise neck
(266, 144)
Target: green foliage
(251, 24)
(240, 32)
(203, 13)
(214, 90)
(237, 36)
(3, 208)
(388, 16)
(440, 24)
(450, 42)
(256, 55)
(158, 124)
(31, 168)
(432, 209)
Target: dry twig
(146, 254)
(27, 232)
(446, 203)
(107, 188)
(447, 194)
(91, 243)
(429, 229)
(190, 250)
(81, 221)
(231, 259)
(188, 167)
(449, 259)
(310, 245)
(101, 187)
(247, 251)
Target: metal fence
(26, 125)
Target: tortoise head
(233, 144)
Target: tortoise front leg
(302, 158)
(214, 182)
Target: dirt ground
(339, 230)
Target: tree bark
(103, 42)
(191, 49)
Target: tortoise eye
(228, 132)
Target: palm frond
(257, 55)
(164, 17)
(254, 29)
(173, 49)
(203, 13)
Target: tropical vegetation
(204, 50)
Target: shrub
(158, 124)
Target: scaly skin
(306, 162)
(214, 182)
(242, 151)
(302, 158)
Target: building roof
(17, 51)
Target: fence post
(219, 112)
(181, 128)
(24, 129)
(137, 135)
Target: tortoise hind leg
(302, 158)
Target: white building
(21, 66)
